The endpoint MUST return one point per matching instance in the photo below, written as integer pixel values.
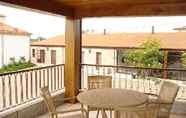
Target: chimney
(2, 18)
(153, 30)
(105, 32)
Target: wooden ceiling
(99, 8)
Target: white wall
(108, 55)
(14, 46)
(60, 55)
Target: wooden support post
(165, 65)
(72, 56)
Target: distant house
(14, 43)
(105, 48)
(180, 29)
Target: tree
(183, 59)
(149, 55)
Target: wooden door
(41, 55)
(53, 57)
(98, 58)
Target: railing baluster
(43, 77)
(26, 79)
(58, 82)
(104, 68)
(31, 84)
(51, 77)
(48, 77)
(126, 79)
(138, 81)
(15, 84)
(131, 80)
(3, 91)
(54, 78)
(40, 79)
(119, 80)
(21, 86)
(61, 71)
(114, 81)
(36, 83)
(10, 90)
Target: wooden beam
(165, 65)
(72, 56)
(49, 6)
(155, 9)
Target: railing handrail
(29, 69)
(135, 67)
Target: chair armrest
(151, 94)
(137, 109)
(159, 103)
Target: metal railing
(22, 86)
(146, 80)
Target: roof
(180, 28)
(1, 15)
(98, 8)
(168, 40)
(7, 29)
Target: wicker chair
(95, 82)
(155, 108)
(165, 99)
(53, 113)
(137, 112)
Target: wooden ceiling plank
(41, 5)
(81, 3)
(172, 9)
(98, 8)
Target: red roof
(168, 40)
(7, 29)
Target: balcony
(20, 90)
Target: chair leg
(116, 114)
(88, 113)
(110, 113)
(104, 115)
(97, 114)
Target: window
(41, 56)
(33, 52)
(89, 51)
(98, 58)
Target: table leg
(116, 114)
(104, 115)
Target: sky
(46, 26)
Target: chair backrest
(168, 92)
(138, 112)
(99, 81)
(48, 99)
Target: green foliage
(148, 56)
(183, 59)
(15, 66)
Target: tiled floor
(178, 111)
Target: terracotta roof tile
(168, 40)
(7, 29)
